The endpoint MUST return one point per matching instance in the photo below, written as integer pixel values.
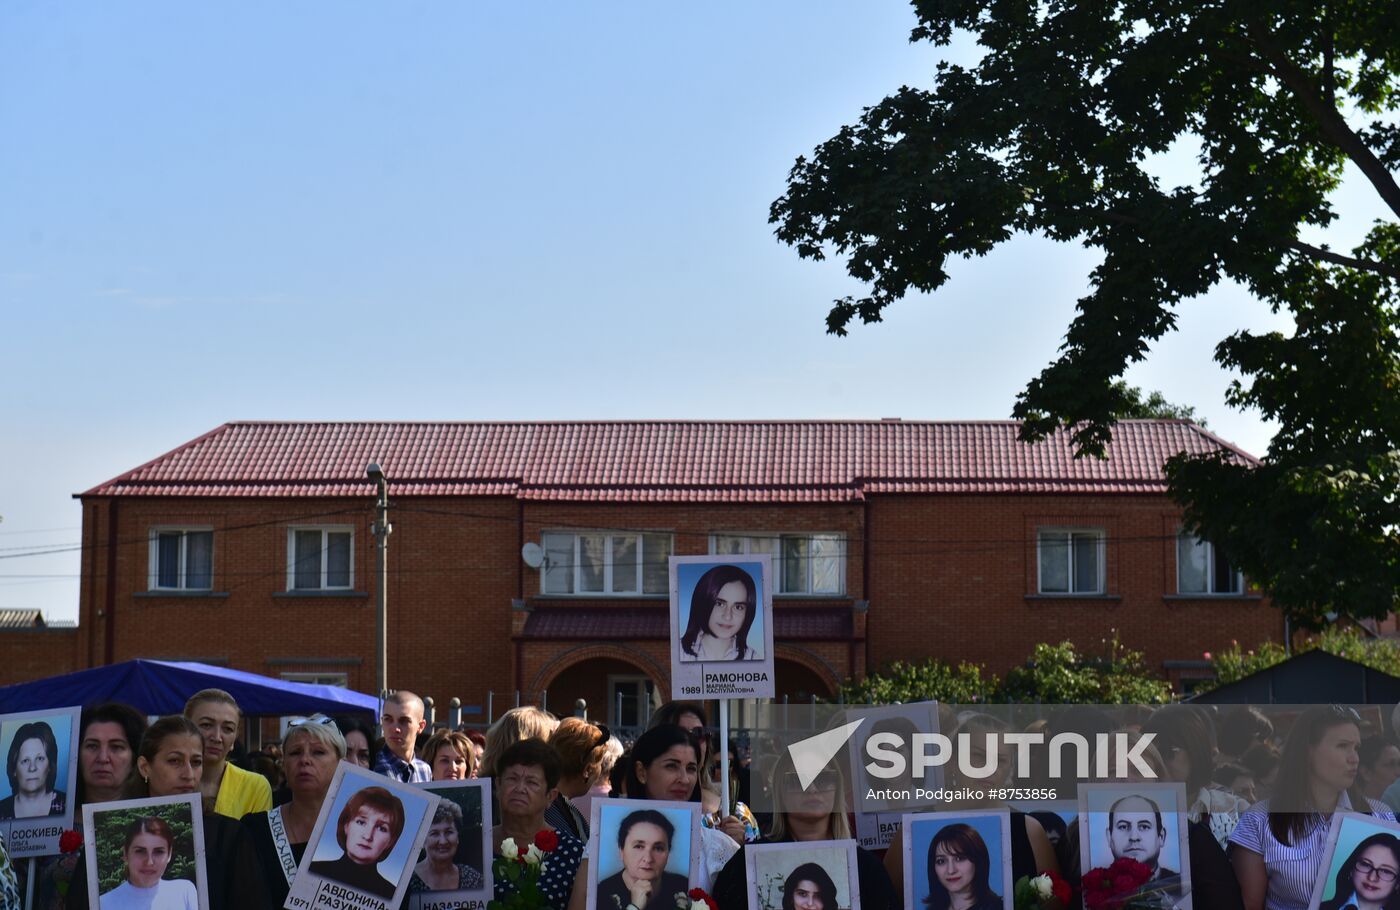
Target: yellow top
(241, 792)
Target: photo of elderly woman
(644, 839)
(723, 605)
(366, 830)
(32, 767)
(147, 850)
(440, 869)
(959, 860)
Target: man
(1135, 830)
(401, 723)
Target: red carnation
(1061, 889)
(696, 894)
(70, 841)
(546, 840)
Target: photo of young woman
(723, 605)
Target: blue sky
(464, 211)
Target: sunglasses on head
(604, 734)
(317, 719)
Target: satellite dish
(533, 554)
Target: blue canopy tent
(161, 687)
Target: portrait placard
(365, 844)
(41, 778)
(1362, 867)
(454, 872)
(721, 627)
(642, 852)
(880, 802)
(814, 875)
(146, 853)
(953, 857)
(1142, 821)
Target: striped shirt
(1292, 869)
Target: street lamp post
(381, 530)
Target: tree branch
(1333, 125)
(1365, 265)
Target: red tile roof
(653, 624)
(656, 461)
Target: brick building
(251, 547)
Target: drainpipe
(110, 645)
(865, 570)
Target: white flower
(699, 905)
(533, 855)
(509, 850)
(1043, 888)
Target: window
(320, 559)
(1201, 569)
(1070, 560)
(605, 562)
(319, 679)
(182, 559)
(804, 563)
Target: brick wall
(948, 576)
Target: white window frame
(321, 678)
(1100, 535)
(780, 579)
(292, 531)
(608, 534)
(1210, 552)
(153, 574)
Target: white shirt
(177, 894)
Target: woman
(803, 814)
(1277, 854)
(581, 746)
(665, 764)
(1031, 851)
(740, 824)
(1367, 880)
(450, 755)
(601, 782)
(526, 775)
(359, 736)
(439, 871)
(722, 610)
(809, 887)
(146, 854)
(517, 724)
(1184, 739)
(1379, 765)
(226, 789)
(367, 830)
(310, 752)
(108, 736)
(32, 767)
(644, 842)
(959, 871)
(170, 763)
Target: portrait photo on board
(642, 852)
(41, 773)
(816, 875)
(959, 859)
(1363, 864)
(366, 844)
(886, 788)
(146, 853)
(722, 626)
(1141, 821)
(455, 863)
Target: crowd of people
(1234, 766)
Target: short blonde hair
(525, 722)
(320, 728)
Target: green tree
(1052, 132)
(1155, 405)
(1059, 674)
(930, 680)
(1236, 663)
